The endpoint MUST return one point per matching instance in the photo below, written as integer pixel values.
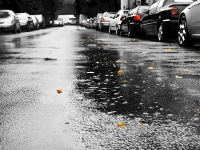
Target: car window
(152, 8)
(4, 15)
(142, 9)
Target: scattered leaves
(185, 70)
(118, 61)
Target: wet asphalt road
(71, 88)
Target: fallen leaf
(168, 49)
(108, 45)
(118, 61)
(179, 77)
(90, 72)
(196, 61)
(151, 68)
(125, 81)
(120, 72)
(59, 91)
(120, 124)
(141, 123)
(185, 70)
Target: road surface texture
(72, 88)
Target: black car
(131, 23)
(162, 18)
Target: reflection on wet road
(91, 90)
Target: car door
(195, 18)
(148, 21)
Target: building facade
(127, 4)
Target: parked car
(26, 21)
(8, 21)
(116, 21)
(83, 23)
(189, 25)
(41, 20)
(105, 20)
(98, 20)
(35, 22)
(91, 23)
(55, 23)
(131, 22)
(162, 18)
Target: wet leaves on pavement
(59, 91)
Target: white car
(26, 21)
(105, 20)
(9, 22)
(116, 21)
(189, 25)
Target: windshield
(4, 15)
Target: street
(72, 88)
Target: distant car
(98, 20)
(189, 25)
(131, 22)
(26, 21)
(105, 20)
(41, 20)
(55, 23)
(116, 21)
(91, 23)
(8, 21)
(161, 19)
(35, 22)
(87, 23)
(61, 23)
(83, 23)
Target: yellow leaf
(196, 61)
(59, 91)
(185, 70)
(120, 124)
(179, 77)
(125, 81)
(90, 72)
(168, 49)
(118, 61)
(120, 72)
(151, 68)
(108, 45)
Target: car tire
(117, 30)
(14, 31)
(28, 27)
(184, 39)
(130, 34)
(101, 28)
(162, 36)
(121, 33)
(19, 30)
(110, 31)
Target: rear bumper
(171, 27)
(134, 26)
(105, 24)
(6, 27)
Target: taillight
(121, 19)
(102, 20)
(136, 17)
(174, 11)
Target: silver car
(189, 25)
(9, 22)
(105, 20)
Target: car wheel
(101, 28)
(130, 34)
(161, 33)
(184, 39)
(19, 30)
(121, 33)
(28, 27)
(117, 31)
(14, 29)
(110, 31)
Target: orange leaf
(59, 91)
(120, 124)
